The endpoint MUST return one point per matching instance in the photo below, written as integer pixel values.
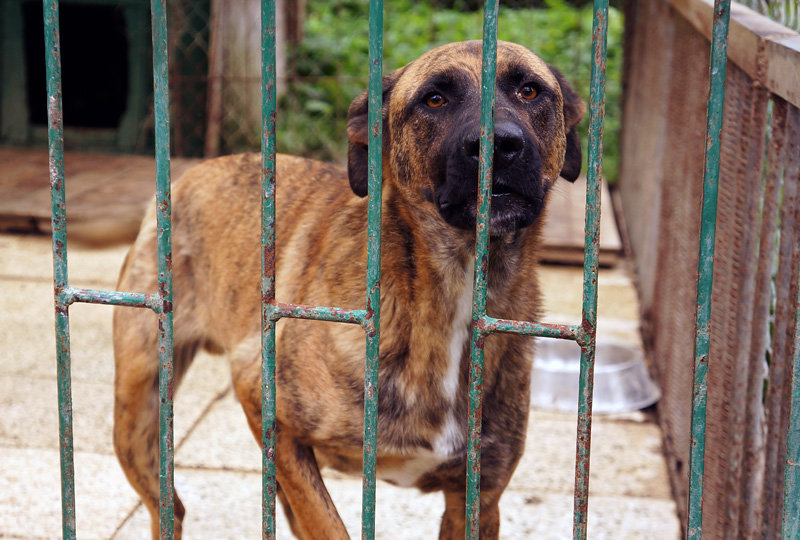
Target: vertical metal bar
(372, 319)
(790, 220)
(488, 75)
(55, 133)
(269, 485)
(716, 97)
(587, 338)
(164, 240)
(791, 499)
(791, 493)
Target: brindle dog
(430, 170)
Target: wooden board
(564, 228)
(107, 194)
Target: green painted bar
(268, 88)
(317, 313)
(716, 97)
(55, 132)
(70, 295)
(166, 446)
(373, 312)
(488, 76)
(791, 487)
(587, 337)
(490, 325)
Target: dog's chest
(450, 438)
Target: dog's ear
(357, 135)
(574, 110)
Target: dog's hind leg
(136, 401)
(454, 519)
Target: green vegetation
(330, 66)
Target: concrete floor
(218, 462)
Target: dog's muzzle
(517, 189)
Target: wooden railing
(757, 262)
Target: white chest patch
(451, 435)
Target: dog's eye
(528, 92)
(435, 100)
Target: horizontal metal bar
(70, 295)
(317, 313)
(489, 325)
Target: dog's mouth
(510, 209)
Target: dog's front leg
(454, 517)
(304, 491)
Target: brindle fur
(321, 260)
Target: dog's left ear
(574, 110)
(358, 137)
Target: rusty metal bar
(490, 325)
(268, 440)
(488, 75)
(371, 321)
(70, 295)
(166, 387)
(716, 97)
(55, 133)
(587, 339)
(787, 335)
(318, 313)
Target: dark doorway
(94, 58)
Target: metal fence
(368, 318)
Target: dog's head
(431, 115)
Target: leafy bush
(330, 66)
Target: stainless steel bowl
(621, 380)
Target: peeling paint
(716, 96)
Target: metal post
(587, 338)
(372, 319)
(166, 444)
(55, 124)
(716, 97)
(488, 75)
(268, 321)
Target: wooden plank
(766, 50)
(106, 193)
(563, 236)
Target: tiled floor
(218, 462)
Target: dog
(430, 171)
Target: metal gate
(369, 318)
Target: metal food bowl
(621, 381)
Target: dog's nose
(508, 144)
